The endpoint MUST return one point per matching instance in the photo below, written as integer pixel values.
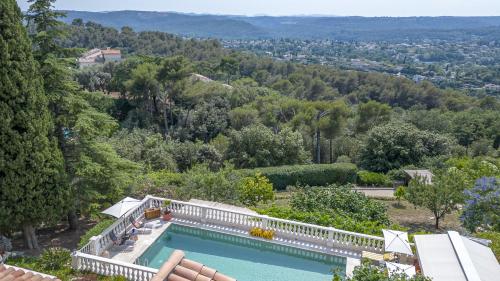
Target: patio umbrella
(397, 242)
(395, 268)
(121, 208)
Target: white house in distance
(99, 56)
(426, 175)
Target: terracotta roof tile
(177, 268)
(12, 273)
(111, 52)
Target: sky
(397, 8)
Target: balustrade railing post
(74, 260)
(329, 241)
(95, 248)
(203, 215)
(264, 222)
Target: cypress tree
(31, 166)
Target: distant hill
(299, 27)
(181, 24)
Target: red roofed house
(12, 273)
(98, 56)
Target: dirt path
(376, 192)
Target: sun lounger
(139, 226)
(135, 223)
(122, 243)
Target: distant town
(471, 65)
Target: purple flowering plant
(482, 206)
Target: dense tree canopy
(394, 145)
(31, 168)
(258, 146)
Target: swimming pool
(243, 258)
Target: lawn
(418, 219)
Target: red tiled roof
(111, 52)
(177, 268)
(12, 273)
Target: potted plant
(167, 214)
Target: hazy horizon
(366, 8)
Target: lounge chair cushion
(143, 230)
(153, 225)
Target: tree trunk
(165, 120)
(171, 114)
(437, 222)
(318, 146)
(30, 240)
(73, 220)
(331, 151)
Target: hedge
(313, 175)
(373, 179)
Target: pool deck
(353, 258)
(141, 245)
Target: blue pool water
(243, 258)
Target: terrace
(317, 242)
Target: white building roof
(451, 257)
(425, 174)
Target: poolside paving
(141, 245)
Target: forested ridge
(151, 124)
(298, 27)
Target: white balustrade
(283, 228)
(109, 267)
(100, 243)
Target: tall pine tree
(43, 22)
(31, 166)
(95, 171)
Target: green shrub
(55, 259)
(373, 179)
(256, 189)
(313, 175)
(94, 231)
(397, 174)
(343, 159)
(400, 193)
(338, 221)
(340, 200)
(338, 207)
